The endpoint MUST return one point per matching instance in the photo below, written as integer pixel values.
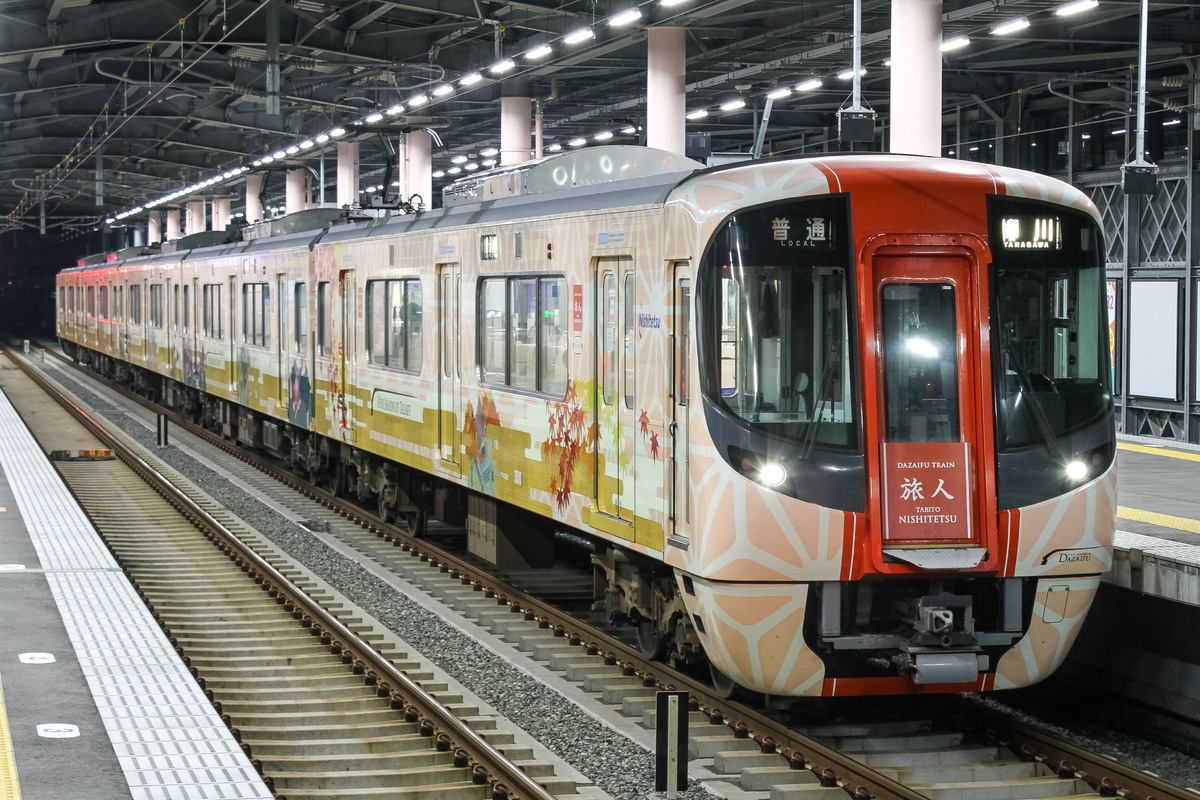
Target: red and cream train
(842, 423)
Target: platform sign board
(927, 490)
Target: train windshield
(777, 352)
(1051, 357)
(1050, 349)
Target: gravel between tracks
(618, 766)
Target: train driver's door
(615, 418)
(450, 421)
(680, 378)
(928, 406)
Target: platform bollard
(671, 736)
(26, 346)
(162, 437)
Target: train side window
(256, 303)
(156, 305)
(630, 339)
(682, 338)
(104, 302)
(394, 323)
(300, 317)
(176, 317)
(324, 320)
(552, 336)
(186, 318)
(523, 333)
(212, 311)
(608, 352)
(492, 330)
(135, 304)
(91, 301)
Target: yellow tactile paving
(1158, 451)
(10, 789)
(1161, 520)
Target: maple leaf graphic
(654, 446)
(644, 422)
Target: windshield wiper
(1035, 407)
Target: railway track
(972, 756)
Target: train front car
(901, 450)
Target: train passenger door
(450, 421)
(928, 386)
(281, 343)
(680, 366)
(346, 351)
(614, 483)
(231, 332)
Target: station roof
(171, 93)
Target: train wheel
(723, 685)
(385, 510)
(650, 641)
(416, 522)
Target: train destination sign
(1031, 232)
(926, 492)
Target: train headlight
(1077, 470)
(772, 475)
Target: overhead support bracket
(273, 80)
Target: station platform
(1157, 544)
(94, 701)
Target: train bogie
(843, 424)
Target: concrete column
(515, 113)
(916, 101)
(665, 93)
(417, 178)
(347, 174)
(254, 209)
(297, 190)
(539, 138)
(172, 224)
(139, 237)
(195, 216)
(220, 213)
(154, 228)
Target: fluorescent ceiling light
(580, 142)
(603, 136)
(733, 105)
(489, 162)
(957, 43)
(554, 148)
(489, 152)
(625, 17)
(779, 93)
(847, 74)
(1012, 26)
(417, 100)
(442, 90)
(669, 3)
(441, 173)
(1117, 132)
(458, 160)
(809, 85)
(454, 170)
(502, 66)
(581, 35)
(699, 113)
(1172, 122)
(1076, 7)
(633, 129)
(375, 118)
(470, 80)
(336, 132)
(541, 51)
(307, 143)
(279, 155)
(470, 167)
(322, 139)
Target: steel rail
(490, 766)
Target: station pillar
(172, 224)
(666, 67)
(296, 194)
(220, 213)
(916, 100)
(154, 228)
(347, 174)
(195, 221)
(417, 177)
(515, 115)
(254, 209)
